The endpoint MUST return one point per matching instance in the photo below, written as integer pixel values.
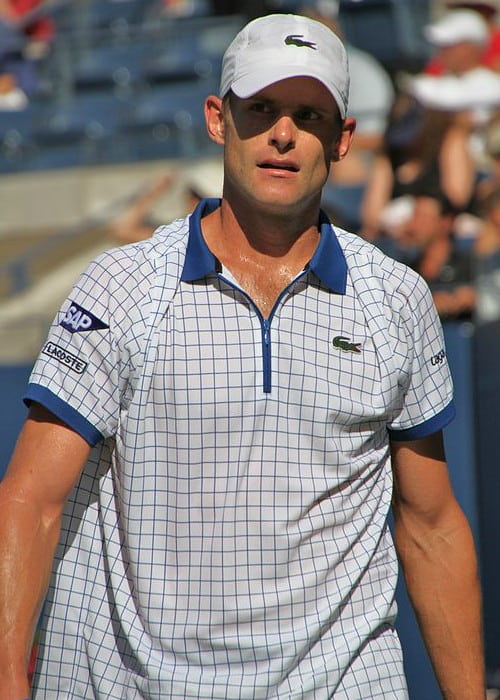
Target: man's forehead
(297, 90)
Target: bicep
(378, 191)
(457, 167)
(422, 487)
(47, 460)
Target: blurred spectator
(12, 95)
(459, 39)
(442, 262)
(490, 55)
(490, 175)
(475, 99)
(425, 151)
(371, 97)
(138, 220)
(21, 41)
(392, 236)
(487, 251)
(186, 8)
(28, 17)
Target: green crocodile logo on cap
(297, 40)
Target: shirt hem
(63, 411)
(428, 427)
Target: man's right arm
(46, 464)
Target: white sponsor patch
(65, 357)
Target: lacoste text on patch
(66, 358)
(78, 320)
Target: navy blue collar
(328, 261)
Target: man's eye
(307, 115)
(261, 107)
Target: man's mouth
(279, 165)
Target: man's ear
(341, 147)
(214, 118)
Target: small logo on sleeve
(345, 344)
(439, 358)
(66, 358)
(297, 40)
(78, 320)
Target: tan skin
(267, 220)
(278, 150)
(45, 465)
(436, 551)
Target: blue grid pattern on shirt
(268, 444)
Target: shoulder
(366, 261)
(387, 289)
(129, 265)
(123, 284)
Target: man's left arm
(437, 554)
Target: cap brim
(437, 37)
(253, 83)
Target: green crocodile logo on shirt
(345, 344)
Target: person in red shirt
(490, 58)
(40, 28)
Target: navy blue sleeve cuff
(63, 411)
(428, 427)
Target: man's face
(279, 144)
(460, 57)
(427, 224)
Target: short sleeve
(428, 401)
(83, 369)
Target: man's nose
(283, 133)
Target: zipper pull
(266, 332)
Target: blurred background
(102, 139)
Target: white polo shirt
(228, 537)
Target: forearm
(27, 544)
(46, 464)
(440, 571)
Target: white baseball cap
(280, 46)
(477, 89)
(457, 26)
(493, 5)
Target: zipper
(265, 329)
(266, 353)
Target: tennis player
(221, 418)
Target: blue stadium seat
(112, 65)
(169, 119)
(173, 104)
(84, 130)
(16, 120)
(16, 137)
(391, 30)
(76, 118)
(103, 14)
(178, 59)
(68, 155)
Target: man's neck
(261, 235)
(263, 253)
